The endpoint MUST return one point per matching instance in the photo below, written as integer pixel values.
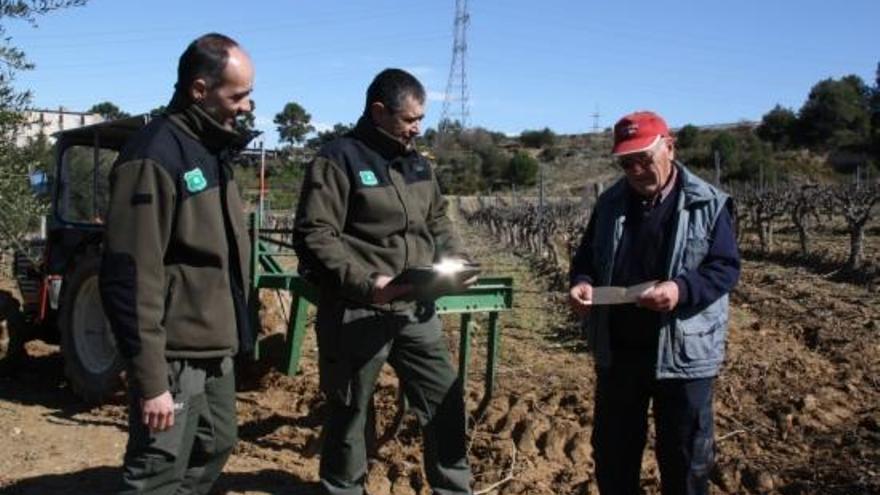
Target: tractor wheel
(91, 361)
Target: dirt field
(797, 405)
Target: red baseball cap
(638, 131)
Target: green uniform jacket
(369, 206)
(176, 248)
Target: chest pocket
(696, 244)
(694, 253)
(375, 210)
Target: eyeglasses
(644, 160)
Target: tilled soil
(797, 409)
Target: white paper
(620, 295)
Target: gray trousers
(354, 343)
(188, 458)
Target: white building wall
(48, 122)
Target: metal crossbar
(491, 295)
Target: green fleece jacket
(176, 248)
(369, 206)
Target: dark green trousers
(189, 457)
(354, 343)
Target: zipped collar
(695, 190)
(376, 138)
(194, 121)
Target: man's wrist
(580, 279)
(683, 293)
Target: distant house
(48, 122)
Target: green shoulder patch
(368, 178)
(195, 180)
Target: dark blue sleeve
(718, 273)
(582, 264)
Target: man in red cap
(661, 224)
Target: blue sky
(530, 64)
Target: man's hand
(384, 293)
(581, 298)
(663, 297)
(464, 284)
(158, 412)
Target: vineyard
(820, 218)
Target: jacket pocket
(200, 314)
(700, 339)
(169, 296)
(694, 253)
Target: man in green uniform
(174, 273)
(371, 207)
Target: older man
(659, 223)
